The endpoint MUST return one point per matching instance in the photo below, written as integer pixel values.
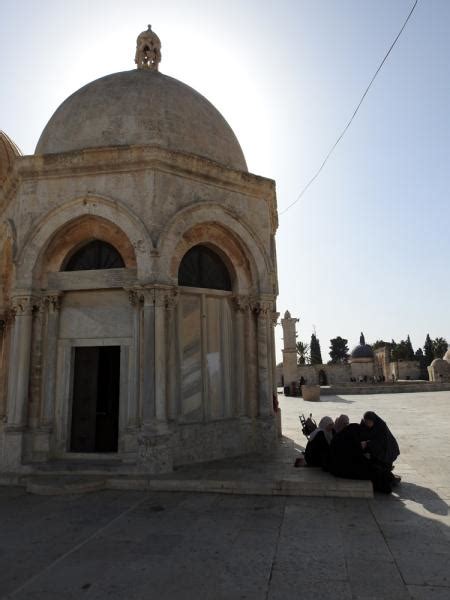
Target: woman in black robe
(347, 459)
(317, 449)
(379, 443)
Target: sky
(367, 248)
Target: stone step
(320, 484)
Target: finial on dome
(148, 50)
(362, 341)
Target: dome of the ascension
(142, 107)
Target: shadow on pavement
(427, 497)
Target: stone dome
(141, 107)
(447, 355)
(362, 350)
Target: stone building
(138, 282)
(439, 370)
(362, 360)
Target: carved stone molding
(52, 302)
(241, 303)
(275, 317)
(159, 296)
(23, 306)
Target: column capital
(52, 301)
(241, 303)
(24, 305)
(157, 295)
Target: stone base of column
(155, 453)
(11, 451)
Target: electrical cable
(353, 115)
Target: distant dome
(447, 355)
(141, 107)
(362, 350)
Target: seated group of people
(355, 451)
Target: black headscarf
(381, 444)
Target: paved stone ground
(136, 545)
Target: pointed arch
(98, 211)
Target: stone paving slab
(140, 545)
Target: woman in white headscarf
(317, 449)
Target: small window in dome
(95, 255)
(203, 268)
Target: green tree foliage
(409, 349)
(428, 350)
(303, 353)
(316, 355)
(419, 354)
(403, 350)
(440, 347)
(379, 344)
(338, 350)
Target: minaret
(290, 349)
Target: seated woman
(318, 447)
(347, 459)
(379, 443)
(341, 422)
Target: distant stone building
(138, 282)
(439, 370)
(364, 364)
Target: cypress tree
(316, 355)
(428, 350)
(409, 349)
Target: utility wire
(353, 115)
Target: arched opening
(323, 377)
(96, 254)
(201, 267)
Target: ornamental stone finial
(148, 50)
(362, 341)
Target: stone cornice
(120, 159)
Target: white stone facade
(197, 365)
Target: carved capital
(172, 299)
(23, 306)
(262, 308)
(52, 302)
(161, 297)
(241, 303)
(275, 316)
(134, 296)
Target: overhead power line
(333, 147)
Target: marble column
(51, 303)
(3, 363)
(160, 299)
(241, 304)
(263, 311)
(173, 366)
(133, 400)
(147, 363)
(19, 362)
(251, 361)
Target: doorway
(95, 403)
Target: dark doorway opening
(95, 404)
(323, 377)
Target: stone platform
(266, 476)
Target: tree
(303, 353)
(419, 354)
(338, 350)
(379, 344)
(409, 349)
(428, 350)
(440, 347)
(316, 355)
(403, 350)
